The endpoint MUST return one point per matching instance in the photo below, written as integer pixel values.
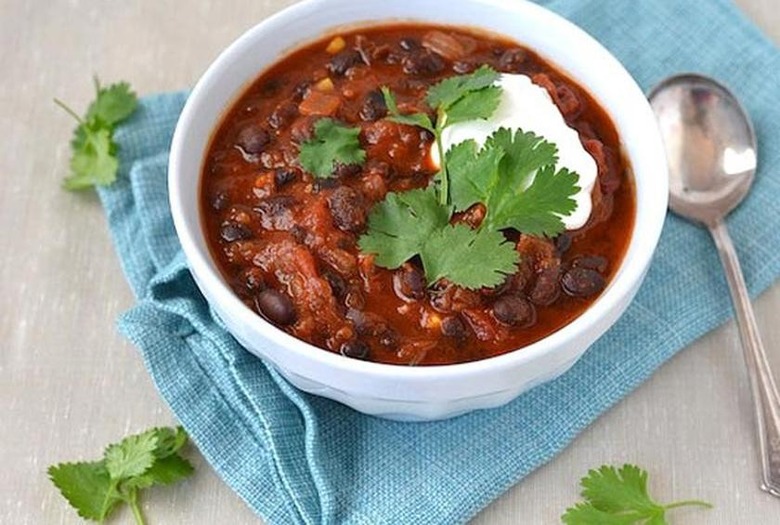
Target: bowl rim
(639, 251)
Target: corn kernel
(431, 320)
(326, 84)
(335, 45)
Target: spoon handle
(765, 396)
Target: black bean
(546, 288)
(276, 212)
(409, 43)
(393, 58)
(513, 310)
(285, 175)
(300, 90)
(582, 282)
(301, 234)
(346, 170)
(374, 107)
(276, 307)
(592, 262)
(355, 349)
(337, 284)
(512, 59)
(348, 208)
(220, 201)
(409, 283)
(423, 62)
(462, 67)
(283, 115)
(324, 184)
(253, 139)
(344, 60)
(453, 327)
(389, 338)
(366, 323)
(233, 231)
(563, 243)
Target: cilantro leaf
(614, 490)
(474, 105)
(414, 119)
(498, 176)
(538, 209)
(169, 441)
(132, 456)
(86, 486)
(619, 497)
(525, 153)
(113, 104)
(474, 173)
(333, 143)
(587, 514)
(450, 90)
(94, 162)
(137, 462)
(170, 469)
(400, 225)
(415, 223)
(470, 258)
(93, 159)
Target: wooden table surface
(69, 383)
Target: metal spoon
(711, 150)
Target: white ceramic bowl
(434, 392)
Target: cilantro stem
(444, 189)
(68, 110)
(690, 502)
(132, 500)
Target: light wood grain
(70, 384)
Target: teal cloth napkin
(296, 458)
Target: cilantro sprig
(96, 488)
(619, 497)
(332, 144)
(455, 99)
(513, 176)
(93, 159)
(415, 223)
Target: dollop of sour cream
(529, 107)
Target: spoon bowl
(710, 145)
(711, 151)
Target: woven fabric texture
(300, 459)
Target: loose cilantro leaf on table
(415, 223)
(455, 99)
(137, 462)
(93, 151)
(619, 497)
(332, 144)
(514, 176)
